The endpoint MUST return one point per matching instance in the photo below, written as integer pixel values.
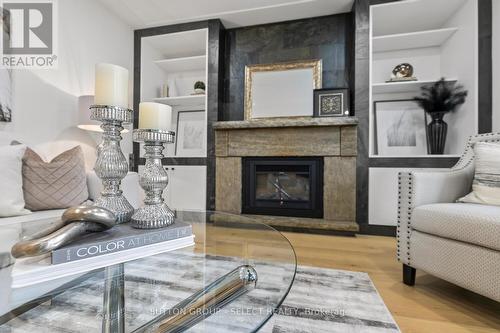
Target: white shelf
(180, 44)
(184, 64)
(401, 87)
(412, 40)
(413, 15)
(417, 156)
(184, 102)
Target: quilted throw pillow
(486, 185)
(60, 183)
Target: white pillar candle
(155, 116)
(111, 85)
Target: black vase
(436, 133)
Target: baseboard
(377, 230)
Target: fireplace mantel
(286, 122)
(287, 137)
(332, 139)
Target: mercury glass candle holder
(153, 179)
(111, 165)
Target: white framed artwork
(400, 128)
(191, 137)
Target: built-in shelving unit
(441, 43)
(439, 39)
(178, 60)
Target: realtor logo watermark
(29, 34)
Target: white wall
(459, 60)
(496, 66)
(45, 102)
(152, 76)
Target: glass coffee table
(232, 280)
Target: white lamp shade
(84, 121)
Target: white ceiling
(233, 13)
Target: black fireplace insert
(290, 186)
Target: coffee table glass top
(138, 295)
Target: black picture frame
(335, 95)
(376, 125)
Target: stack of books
(119, 244)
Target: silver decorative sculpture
(402, 72)
(111, 165)
(75, 222)
(153, 179)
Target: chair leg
(409, 275)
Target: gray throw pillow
(486, 185)
(60, 183)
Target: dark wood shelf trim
(412, 162)
(179, 161)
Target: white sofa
(12, 229)
(9, 225)
(458, 242)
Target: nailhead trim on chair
(399, 215)
(408, 213)
(410, 197)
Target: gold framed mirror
(281, 89)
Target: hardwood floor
(433, 305)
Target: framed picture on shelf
(399, 128)
(191, 138)
(331, 102)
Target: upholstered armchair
(457, 242)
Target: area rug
(321, 300)
(331, 301)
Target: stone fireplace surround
(334, 139)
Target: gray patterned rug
(327, 300)
(321, 300)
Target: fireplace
(312, 159)
(287, 186)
